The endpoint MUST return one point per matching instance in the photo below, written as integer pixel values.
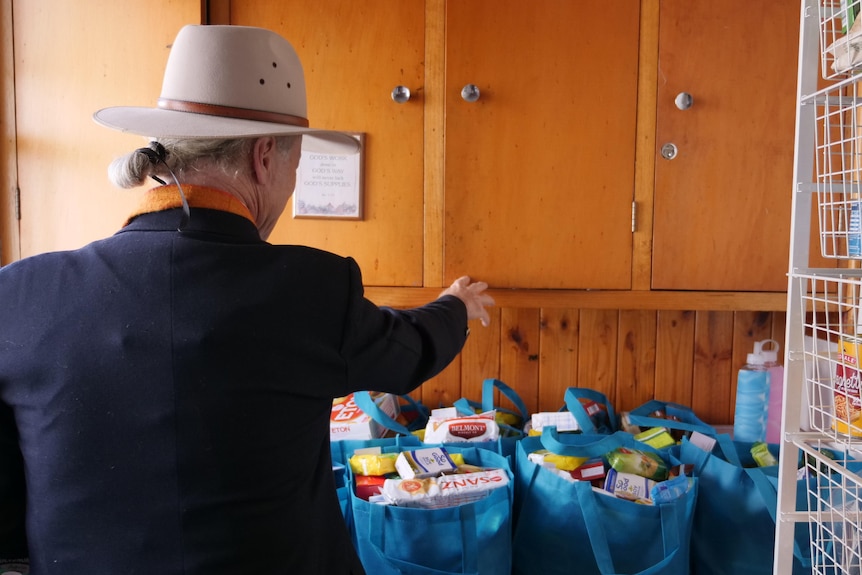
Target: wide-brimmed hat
(229, 82)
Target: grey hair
(184, 155)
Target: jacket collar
(213, 213)
(167, 197)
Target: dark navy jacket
(165, 398)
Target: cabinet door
(722, 205)
(539, 170)
(354, 54)
(70, 61)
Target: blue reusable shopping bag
(343, 449)
(473, 538)
(734, 523)
(564, 527)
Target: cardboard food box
(347, 421)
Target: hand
(473, 296)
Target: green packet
(762, 456)
(643, 463)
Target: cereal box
(347, 421)
(846, 389)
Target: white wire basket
(838, 167)
(834, 490)
(840, 41)
(832, 311)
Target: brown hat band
(231, 112)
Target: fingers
(480, 301)
(486, 301)
(474, 297)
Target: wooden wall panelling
(636, 359)
(674, 363)
(480, 358)
(632, 356)
(713, 366)
(519, 353)
(445, 388)
(558, 355)
(597, 351)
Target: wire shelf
(841, 42)
(834, 490)
(832, 308)
(838, 159)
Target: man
(165, 392)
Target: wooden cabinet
(531, 186)
(539, 171)
(536, 178)
(722, 204)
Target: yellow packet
(562, 462)
(846, 389)
(373, 463)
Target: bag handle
(466, 407)
(688, 421)
(369, 407)
(576, 408)
(491, 384)
(584, 445)
(599, 540)
(728, 451)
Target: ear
(264, 154)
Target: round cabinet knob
(683, 101)
(470, 92)
(400, 94)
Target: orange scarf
(168, 197)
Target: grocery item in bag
(446, 426)
(846, 389)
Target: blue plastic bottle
(752, 400)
